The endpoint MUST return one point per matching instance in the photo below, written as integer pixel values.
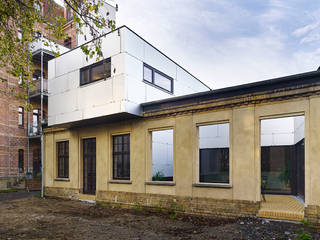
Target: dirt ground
(36, 218)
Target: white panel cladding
(51, 69)
(187, 84)
(110, 47)
(69, 62)
(124, 91)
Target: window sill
(120, 181)
(160, 183)
(212, 185)
(62, 179)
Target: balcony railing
(35, 87)
(34, 131)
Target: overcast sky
(230, 42)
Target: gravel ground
(36, 218)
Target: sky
(230, 42)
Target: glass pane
(162, 155)
(214, 153)
(85, 76)
(101, 71)
(162, 81)
(147, 74)
(281, 154)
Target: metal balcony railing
(35, 87)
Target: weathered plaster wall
(244, 152)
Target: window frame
(21, 160)
(22, 116)
(153, 71)
(90, 67)
(122, 153)
(64, 173)
(150, 180)
(214, 183)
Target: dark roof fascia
(124, 26)
(250, 88)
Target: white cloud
(224, 43)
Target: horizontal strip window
(95, 72)
(157, 78)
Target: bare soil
(36, 218)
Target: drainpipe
(41, 132)
(28, 125)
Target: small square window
(157, 78)
(95, 72)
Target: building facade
(139, 129)
(20, 129)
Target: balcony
(35, 88)
(47, 48)
(34, 131)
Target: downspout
(41, 107)
(28, 125)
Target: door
(89, 166)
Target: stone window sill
(62, 179)
(212, 185)
(160, 183)
(120, 181)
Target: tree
(22, 20)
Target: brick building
(20, 141)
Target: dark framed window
(20, 116)
(35, 121)
(214, 153)
(157, 78)
(121, 157)
(95, 72)
(63, 159)
(67, 42)
(69, 15)
(21, 160)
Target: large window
(63, 159)
(21, 116)
(121, 157)
(21, 160)
(157, 78)
(162, 155)
(282, 155)
(214, 153)
(95, 72)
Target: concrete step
(281, 207)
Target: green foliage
(137, 206)
(21, 21)
(159, 176)
(304, 231)
(8, 190)
(304, 236)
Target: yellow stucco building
(118, 160)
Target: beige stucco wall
(244, 151)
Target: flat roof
(250, 88)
